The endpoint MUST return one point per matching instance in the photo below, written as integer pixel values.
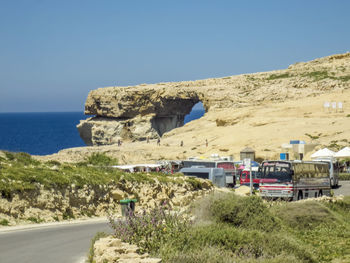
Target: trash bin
(127, 205)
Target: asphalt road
(343, 189)
(68, 243)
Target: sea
(43, 133)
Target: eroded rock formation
(134, 113)
(231, 103)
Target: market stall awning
(343, 153)
(323, 153)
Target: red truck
(244, 178)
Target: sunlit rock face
(150, 110)
(134, 113)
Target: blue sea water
(47, 132)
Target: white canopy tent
(343, 153)
(323, 153)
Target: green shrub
(218, 255)
(35, 219)
(241, 242)
(247, 212)
(278, 76)
(149, 230)
(304, 215)
(317, 75)
(4, 222)
(344, 176)
(101, 159)
(341, 206)
(196, 184)
(21, 158)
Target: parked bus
(294, 180)
(216, 175)
(229, 168)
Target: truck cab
(244, 178)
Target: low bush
(240, 242)
(21, 158)
(279, 76)
(35, 219)
(101, 159)
(229, 228)
(304, 215)
(245, 212)
(4, 222)
(196, 185)
(149, 230)
(344, 176)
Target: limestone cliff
(48, 205)
(135, 113)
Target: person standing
(182, 143)
(206, 142)
(158, 141)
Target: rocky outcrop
(110, 249)
(48, 205)
(138, 112)
(134, 113)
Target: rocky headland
(260, 110)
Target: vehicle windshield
(277, 171)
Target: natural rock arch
(134, 113)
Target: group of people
(119, 142)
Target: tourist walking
(182, 143)
(158, 141)
(206, 142)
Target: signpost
(248, 165)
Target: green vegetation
(4, 222)
(100, 159)
(279, 76)
(313, 137)
(35, 220)
(20, 172)
(320, 75)
(228, 228)
(344, 176)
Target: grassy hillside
(228, 228)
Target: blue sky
(52, 53)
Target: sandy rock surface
(111, 249)
(261, 110)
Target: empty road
(63, 243)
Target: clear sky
(52, 53)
